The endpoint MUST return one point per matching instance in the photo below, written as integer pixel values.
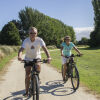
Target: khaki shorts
(64, 60)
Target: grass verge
(6, 59)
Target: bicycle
(72, 71)
(34, 81)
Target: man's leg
(38, 70)
(27, 78)
(38, 67)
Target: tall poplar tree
(95, 35)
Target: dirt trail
(51, 87)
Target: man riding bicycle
(32, 46)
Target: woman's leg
(64, 60)
(64, 71)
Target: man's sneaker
(64, 79)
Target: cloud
(83, 32)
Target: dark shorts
(27, 65)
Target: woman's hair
(33, 28)
(67, 37)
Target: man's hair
(33, 28)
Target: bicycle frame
(72, 65)
(34, 70)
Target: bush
(7, 50)
(1, 55)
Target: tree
(0, 36)
(22, 33)
(50, 29)
(83, 41)
(29, 17)
(95, 35)
(10, 35)
(17, 23)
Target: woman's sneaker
(25, 94)
(65, 79)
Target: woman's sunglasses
(67, 39)
(32, 33)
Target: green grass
(6, 59)
(88, 66)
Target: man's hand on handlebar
(20, 59)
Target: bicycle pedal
(34, 93)
(29, 95)
(69, 75)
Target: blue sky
(77, 13)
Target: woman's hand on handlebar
(62, 55)
(80, 54)
(49, 60)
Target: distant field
(88, 65)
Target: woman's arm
(62, 51)
(77, 50)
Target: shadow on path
(14, 94)
(56, 88)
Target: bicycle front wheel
(62, 68)
(74, 77)
(35, 88)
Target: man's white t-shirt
(32, 48)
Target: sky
(83, 32)
(76, 13)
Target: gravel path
(51, 87)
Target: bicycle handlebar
(73, 56)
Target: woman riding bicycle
(66, 48)
(32, 46)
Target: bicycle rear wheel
(35, 88)
(74, 77)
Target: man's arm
(47, 53)
(20, 53)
